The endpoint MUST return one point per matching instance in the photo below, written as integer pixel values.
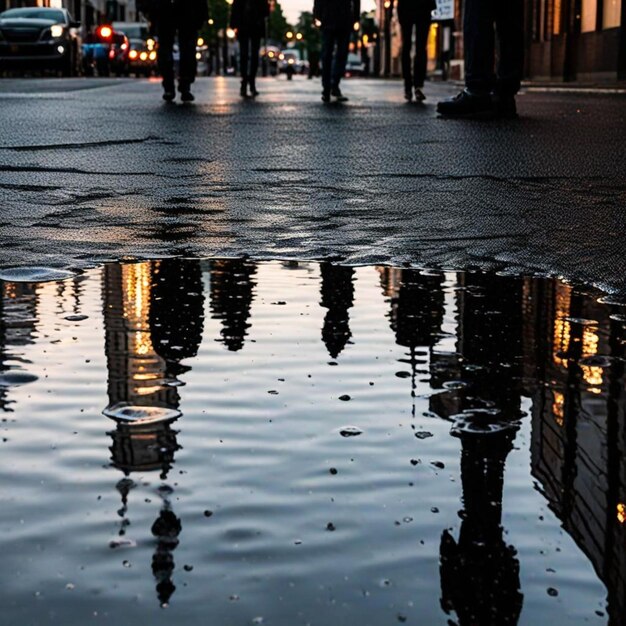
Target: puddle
(229, 442)
(34, 274)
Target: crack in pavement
(87, 144)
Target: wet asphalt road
(95, 169)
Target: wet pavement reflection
(301, 443)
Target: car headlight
(56, 31)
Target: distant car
(355, 66)
(133, 30)
(289, 62)
(142, 57)
(40, 38)
(106, 51)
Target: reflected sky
(175, 445)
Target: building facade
(565, 40)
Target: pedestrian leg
(244, 61)
(165, 55)
(328, 45)
(341, 57)
(407, 36)
(422, 28)
(479, 43)
(187, 38)
(255, 46)
(510, 31)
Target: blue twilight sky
(292, 8)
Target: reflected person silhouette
(232, 293)
(416, 310)
(337, 295)
(176, 312)
(480, 573)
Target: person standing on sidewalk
(337, 19)
(490, 93)
(414, 14)
(170, 18)
(248, 19)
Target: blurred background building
(565, 40)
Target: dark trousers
(187, 38)
(335, 42)
(249, 44)
(421, 24)
(482, 21)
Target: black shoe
(335, 92)
(504, 106)
(169, 90)
(326, 96)
(419, 95)
(243, 90)
(408, 94)
(253, 90)
(187, 96)
(467, 104)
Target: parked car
(40, 38)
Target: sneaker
(187, 96)
(326, 96)
(504, 106)
(419, 95)
(467, 104)
(335, 92)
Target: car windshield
(132, 31)
(35, 14)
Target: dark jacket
(192, 13)
(249, 15)
(339, 14)
(412, 10)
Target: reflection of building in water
(416, 310)
(153, 316)
(337, 295)
(136, 370)
(18, 315)
(232, 292)
(579, 437)
(480, 573)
